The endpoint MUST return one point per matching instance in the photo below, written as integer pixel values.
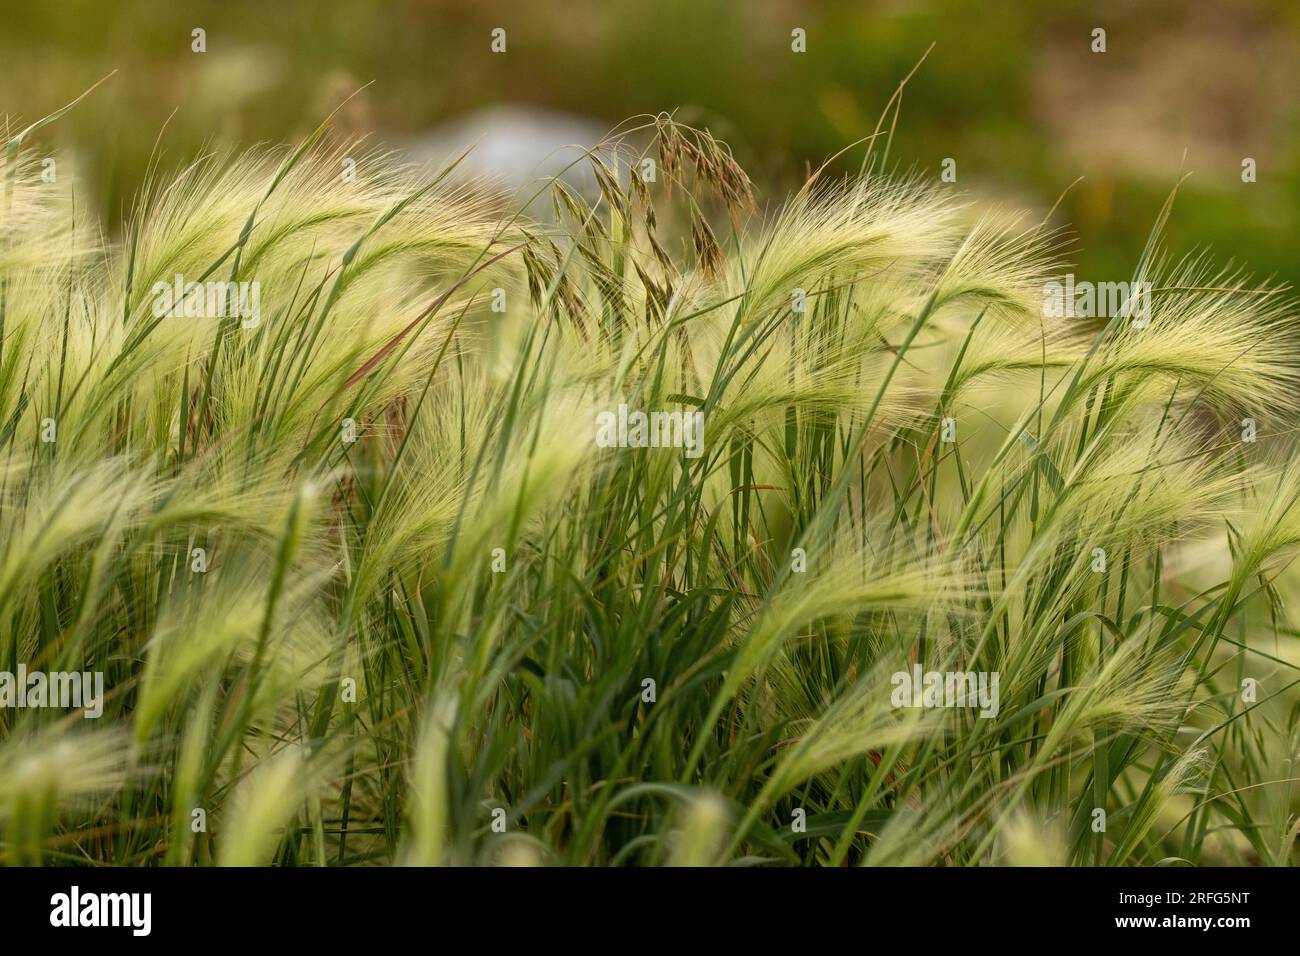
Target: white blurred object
(516, 145)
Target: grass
(473, 636)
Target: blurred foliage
(1011, 91)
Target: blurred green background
(1011, 91)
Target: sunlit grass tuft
(364, 588)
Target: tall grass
(473, 636)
